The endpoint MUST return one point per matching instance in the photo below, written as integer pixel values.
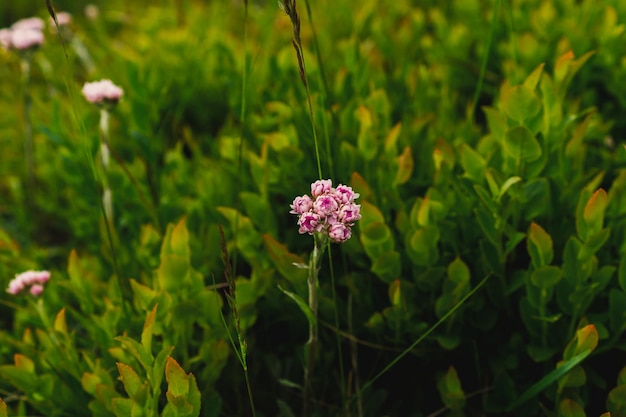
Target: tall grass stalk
(241, 347)
(123, 284)
(289, 7)
(485, 60)
(230, 270)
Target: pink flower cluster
(329, 210)
(102, 92)
(23, 35)
(33, 279)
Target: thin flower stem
(29, 150)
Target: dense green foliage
(486, 140)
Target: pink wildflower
(64, 19)
(339, 233)
(30, 23)
(309, 223)
(26, 38)
(301, 205)
(320, 187)
(103, 91)
(33, 279)
(330, 211)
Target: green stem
(483, 65)
(320, 243)
(28, 128)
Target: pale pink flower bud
(309, 223)
(42, 277)
(301, 205)
(350, 213)
(26, 38)
(36, 289)
(63, 18)
(15, 286)
(31, 23)
(344, 194)
(339, 233)
(103, 91)
(325, 205)
(320, 187)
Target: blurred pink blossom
(33, 279)
(103, 91)
(26, 38)
(32, 23)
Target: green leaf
(377, 239)
(546, 276)
(3, 409)
(370, 214)
(539, 245)
(593, 213)
(284, 260)
(146, 334)
(520, 143)
(367, 142)
(144, 295)
(422, 245)
(173, 272)
(473, 164)
(132, 382)
(304, 307)
(616, 401)
(458, 272)
(505, 187)
(122, 407)
(177, 380)
(570, 408)
(521, 103)
(395, 293)
(449, 386)
(585, 340)
(405, 166)
(533, 79)
(387, 266)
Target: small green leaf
(458, 272)
(521, 103)
(473, 164)
(388, 266)
(173, 272)
(302, 304)
(395, 293)
(405, 166)
(616, 401)
(520, 143)
(570, 408)
(533, 79)
(422, 245)
(377, 239)
(370, 214)
(122, 407)
(507, 184)
(540, 246)
(546, 276)
(586, 340)
(143, 294)
(146, 334)
(593, 213)
(132, 382)
(177, 379)
(3, 409)
(450, 390)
